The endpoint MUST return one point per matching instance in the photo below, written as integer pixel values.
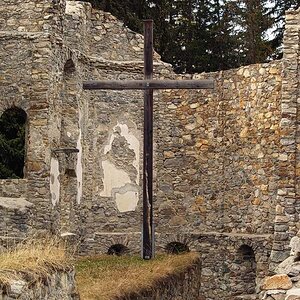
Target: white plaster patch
(79, 162)
(114, 178)
(133, 142)
(54, 181)
(117, 183)
(127, 201)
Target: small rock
(244, 132)
(16, 288)
(194, 105)
(277, 282)
(283, 157)
(295, 270)
(295, 245)
(285, 266)
(295, 279)
(172, 106)
(207, 272)
(177, 221)
(293, 292)
(292, 297)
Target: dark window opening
(12, 143)
(245, 253)
(69, 67)
(245, 271)
(118, 249)
(177, 248)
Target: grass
(98, 278)
(32, 259)
(106, 277)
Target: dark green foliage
(254, 20)
(131, 12)
(12, 143)
(208, 35)
(278, 12)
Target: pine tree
(12, 143)
(252, 21)
(131, 12)
(222, 45)
(207, 35)
(277, 12)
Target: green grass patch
(106, 277)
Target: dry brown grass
(106, 277)
(32, 259)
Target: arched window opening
(118, 249)
(245, 274)
(245, 253)
(177, 248)
(12, 143)
(69, 67)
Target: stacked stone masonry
(58, 285)
(226, 161)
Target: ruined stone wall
(58, 285)
(19, 88)
(226, 273)
(31, 15)
(217, 153)
(33, 80)
(287, 204)
(220, 155)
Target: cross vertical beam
(148, 85)
(148, 229)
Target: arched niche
(118, 250)
(245, 275)
(69, 68)
(70, 108)
(177, 248)
(12, 143)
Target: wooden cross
(148, 85)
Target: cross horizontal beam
(147, 84)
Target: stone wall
(227, 272)
(30, 15)
(287, 208)
(58, 285)
(225, 160)
(217, 153)
(285, 284)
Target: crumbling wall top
(30, 15)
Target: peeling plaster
(114, 178)
(133, 142)
(126, 197)
(117, 183)
(54, 181)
